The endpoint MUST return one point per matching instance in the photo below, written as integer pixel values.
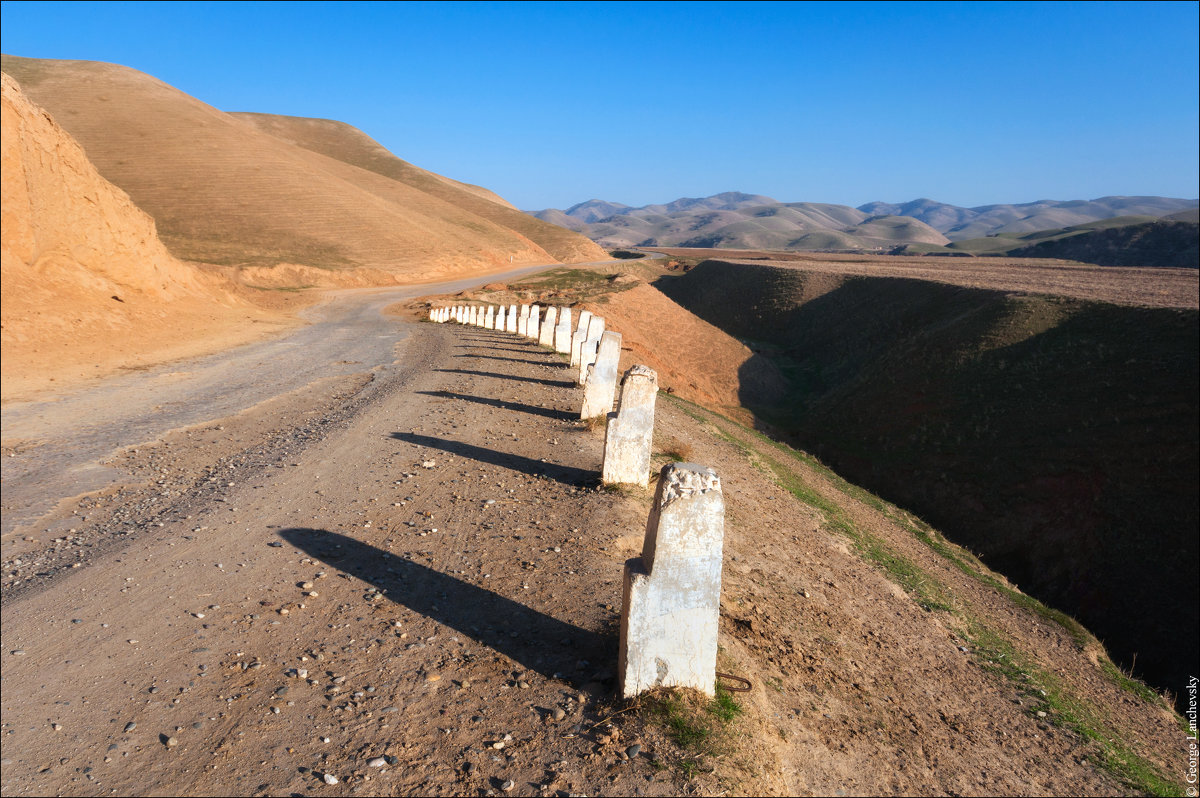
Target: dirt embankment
(1055, 436)
(87, 286)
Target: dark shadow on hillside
(533, 410)
(515, 378)
(1055, 438)
(538, 642)
(567, 475)
(550, 363)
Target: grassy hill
(223, 189)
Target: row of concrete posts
(671, 595)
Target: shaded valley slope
(1056, 436)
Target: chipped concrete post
(671, 596)
(522, 319)
(630, 431)
(590, 348)
(576, 344)
(489, 318)
(562, 332)
(546, 333)
(510, 323)
(602, 382)
(500, 322)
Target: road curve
(64, 440)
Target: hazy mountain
(751, 221)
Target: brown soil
(465, 579)
(1148, 287)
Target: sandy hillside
(224, 191)
(87, 286)
(351, 145)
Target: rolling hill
(250, 190)
(735, 220)
(87, 286)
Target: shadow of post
(534, 640)
(567, 475)
(497, 375)
(504, 404)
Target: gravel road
(55, 449)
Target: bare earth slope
(87, 286)
(223, 191)
(347, 143)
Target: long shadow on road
(550, 383)
(551, 363)
(567, 475)
(503, 404)
(539, 642)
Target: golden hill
(226, 190)
(86, 284)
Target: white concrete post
(473, 315)
(630, 432)
(671, 596)
(500, 322)
(584, 317)
(546, 333)
(522, 319)
(489, 318)
(459, 313)
(534, 324)
(511, 320)
(576, 345)
(562, 332)
(602, 381)
(590, 348)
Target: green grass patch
(699, 725)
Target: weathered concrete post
(590, 348)
(473, 316)
(510, 323)
(671, 596)
(500, 322)
(580, 335)
(522, 319)
(630, 432)
(534, 325)
(602, 382)
(489, 318)
(562, 332)
(546, 333)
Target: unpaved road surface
(400, 579)
(53, 449)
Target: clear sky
(550, 104)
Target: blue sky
(551, 104)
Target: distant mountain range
(752, 221)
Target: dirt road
(400, 579)
(54, 448)
(315, 576)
